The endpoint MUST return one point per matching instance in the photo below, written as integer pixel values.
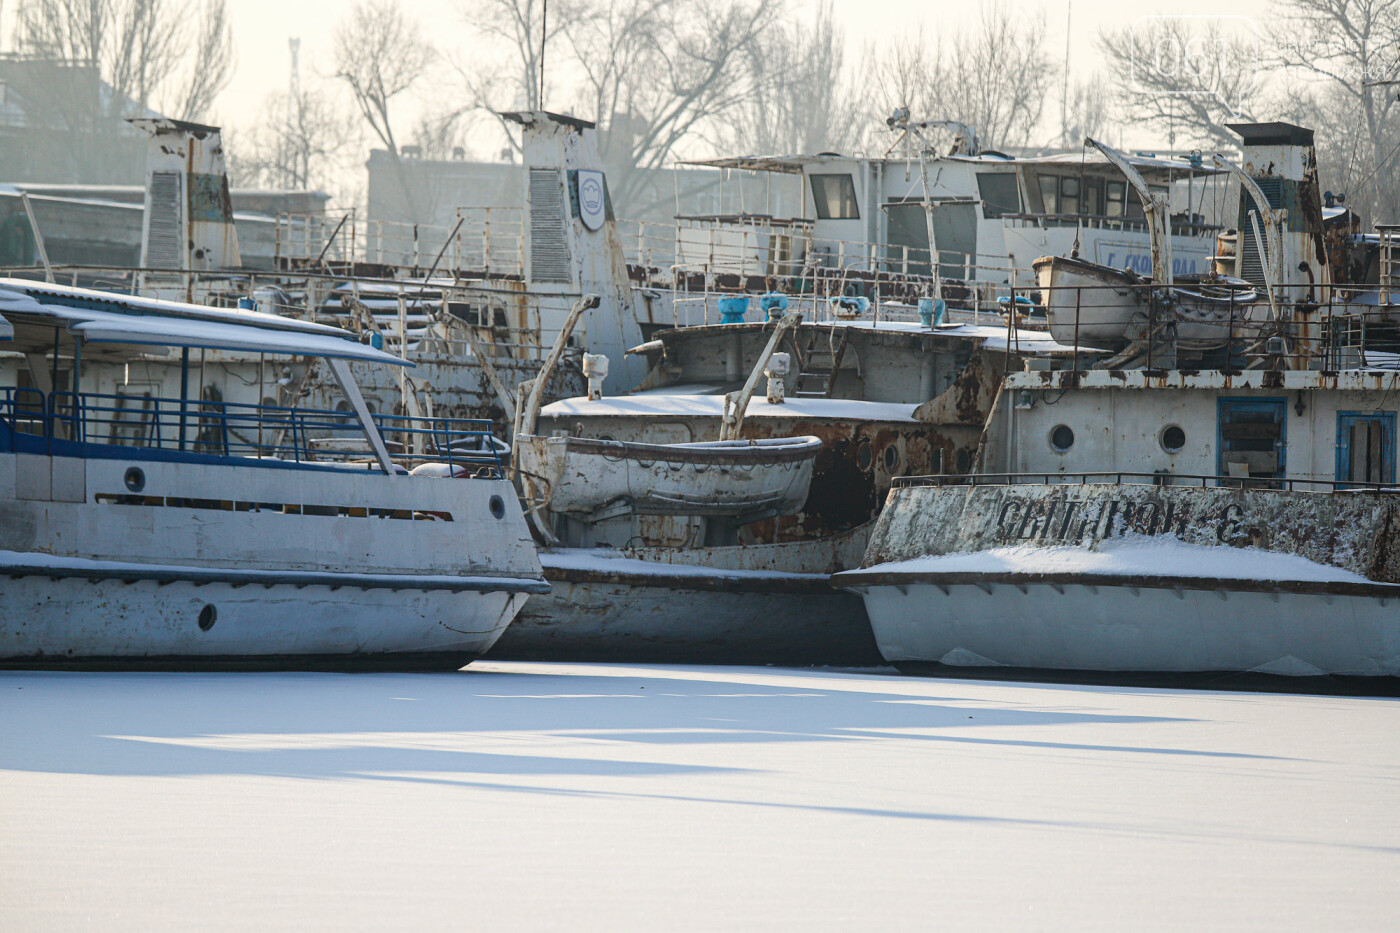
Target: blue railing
(33, 422)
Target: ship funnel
(189, 214)
(1281, 160)
(572, 244)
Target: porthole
(891, 458)
(1061, 438)
(135, 479)
(498, 507)
(207, 617)
(1172, 438)
(865, 457)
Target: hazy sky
(262, 28)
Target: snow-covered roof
(106, 317)
(676, 404)
(795, 164)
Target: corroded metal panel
(1353, 531)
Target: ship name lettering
(1072, 521)
(1230, 519)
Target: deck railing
(1129, 478)
(235, 430)
(488, 240)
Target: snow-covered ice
(533, 796)
(1164, 555)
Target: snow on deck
(1159, 556)
(584, 797)
(680, 404)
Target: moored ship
(144, 531)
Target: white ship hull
(1099, 624)
(254, 565)
(110, 615)
(1134, 578)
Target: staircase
(818, 364)
(1390, 261)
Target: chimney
(572, 245)
(189, 215)
(1281, 160)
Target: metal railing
(489, 241)
(1129, 223)
(228, 429)
(1130, 478)
(1226, 325)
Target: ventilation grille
(549, 244)
(163, 222)
(1251, 264)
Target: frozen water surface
(595, 797)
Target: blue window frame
(1251, 437)
(1366, 447)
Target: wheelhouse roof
(36, 309)
(796, 164)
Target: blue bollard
(773, 304)
(926, 312)
(247, 304)
(732, 310)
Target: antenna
(1064, 94)
(544, 40)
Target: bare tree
(1086, 112)
(380, 54)
(213, 62)
(295, 144)
(1343, 48)
(802, 98)
(657, 71)
(649, 72)
(994, 75)
(517, 26)
(1185, 76)
(171, 55)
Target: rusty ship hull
(723, 605)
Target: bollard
(732, 310)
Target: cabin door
(954, 226)
(1251, 435)
(1366, 447)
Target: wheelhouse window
(1114, 192)
(1093, 197)
(1049, 193)
(1069, 195)
(1000, 193)
(835, 197)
